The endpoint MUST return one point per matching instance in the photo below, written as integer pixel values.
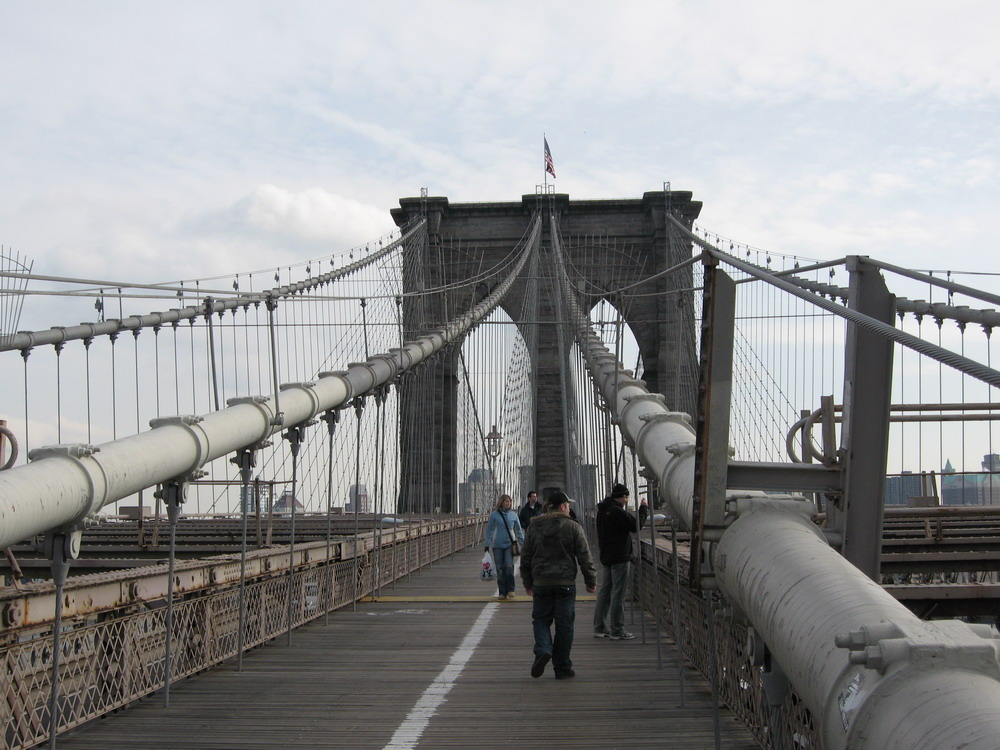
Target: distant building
(283, 506)
(972, 489)
(898, 490)
(358, 499)
(991, 482)
(251, 494)
(479, 493)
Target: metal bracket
(781, 477)
(269, 416)
(303, 384)
(68, 450)
(187, 422)
(245, 459)
(883, 646)
(184, 419)
(63, 545)
(295, 435)
(331, 418)
(359, 405)
(256, 400)
(174, 493)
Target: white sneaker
(623, 636)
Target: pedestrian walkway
(430, 663)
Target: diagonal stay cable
(937, 353)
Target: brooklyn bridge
(248, 511)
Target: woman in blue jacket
(502, 530)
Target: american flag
(549, 166)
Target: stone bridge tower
(610, 243)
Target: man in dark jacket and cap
(614, 536)
(553, 549)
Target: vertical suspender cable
(258, 329)
(313, 330)
(236, 355)
(375, 497)
(638, 577)
(359, 406)
(272, 304)
(400, 488)
(177, 375)
(247, 358)
(245, 461)
(402, 502)
(114, 388)
(59, 347)
(364, 325)
(211, 352)
(713, 665)
(174, 495)
(193, 379)
(989, 425)
(60, 569)
(114, 394)
(86, 348)
(221, 386)
(292, 358)
(331, 418)
(294, 437)
(655, 578)
(156, 366)
(678, 625)
(138, 423)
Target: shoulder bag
(515, 549)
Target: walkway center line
(408, 733)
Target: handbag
(515, 548)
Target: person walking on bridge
(529, 510)
(556, 546)
(614, 529)
(502, 531)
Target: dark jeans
(503, 558)
(609, 613)
(554, 604)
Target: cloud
(180, 137)
(272, 226)
(313, 217)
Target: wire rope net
(449, 435)
(215, 346)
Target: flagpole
(545, 172)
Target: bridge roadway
(412, 670)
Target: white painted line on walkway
(408, 734)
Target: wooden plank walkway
(393, 673)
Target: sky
(157, 141)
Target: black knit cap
(619, 490)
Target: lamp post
(492, 443)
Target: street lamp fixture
(493, 441)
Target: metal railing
(723, 655)
(112, 660)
